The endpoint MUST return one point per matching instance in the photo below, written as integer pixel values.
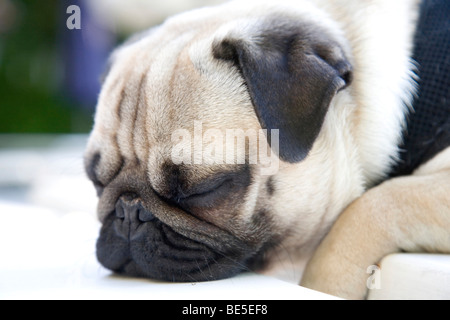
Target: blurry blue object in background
(49, 73)
(85, 52)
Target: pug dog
(259, 134)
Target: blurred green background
(49, 73)
(32, 93)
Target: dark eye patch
(91, 166)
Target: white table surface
(414, 276)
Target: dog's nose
(130, 214)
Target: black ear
(292, 73)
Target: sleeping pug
(252, 135)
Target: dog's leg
(409, 213)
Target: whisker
(238, 263)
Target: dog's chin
(154, 250)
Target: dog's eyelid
(206, 187)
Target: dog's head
(208, 148)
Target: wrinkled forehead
(167, 78)
(164, 81)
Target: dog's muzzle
(134, 242)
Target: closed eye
(207, 194)
(206, 188)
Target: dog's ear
(292, 72)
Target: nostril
(120, 209)
(145, 216)
(129, 207)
